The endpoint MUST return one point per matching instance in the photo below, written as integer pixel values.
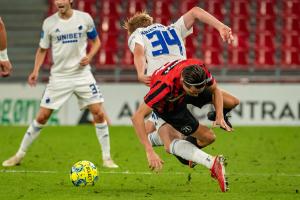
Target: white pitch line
(28, 171)
(151, 173)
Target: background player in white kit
(67, 32)
(153, 45)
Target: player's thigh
(57, 92)
(229, 100)
(204, 134)
(88, 93)
(167, 134)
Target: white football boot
(14, 160)
(110, 164)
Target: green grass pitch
(263, 163)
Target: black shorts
(182, 119)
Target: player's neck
(66, 15)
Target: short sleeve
(134, 38)
(45, 36)
(91, 29)
(180, 26)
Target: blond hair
(140, 19)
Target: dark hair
(194, 75)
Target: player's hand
(5, 68)
(85, 61)
(221, 122)
(154, 161)
(145, 79)
(226, 34)
(32, 79)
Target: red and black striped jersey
(166, 92)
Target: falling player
(154, 45)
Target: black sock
(226, 110)
(182, 160)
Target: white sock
(189, 151)
(155, 139)
(31, 134)
(103, 138)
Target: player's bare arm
(140, 63)
(154, 161)
(218, 104)
(197, 13)
(95, 45)
(39, 59)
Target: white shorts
(158, 122)
(59, 90)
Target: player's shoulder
(52, 19)
(81, 13)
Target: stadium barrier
(261, 104)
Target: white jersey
(68, 40)
(161, 43)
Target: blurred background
(266, 48)
(265, 52)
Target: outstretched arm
(197, 13)
(154, 161)
(140, 63)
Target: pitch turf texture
(263, 163)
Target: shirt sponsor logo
(69, 37)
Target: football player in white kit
(67, 33)
(153, 45)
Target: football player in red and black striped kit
(172, 87)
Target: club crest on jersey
(47, 100)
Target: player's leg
(217, 166)
(57, 92)
(168, 133)
(89, 96)
(186, 123)
(30, 136)
(102, 133)
(189, 151)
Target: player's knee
(235, 102)
(211, 137)
(167, 148)
(98, 115)
(42, 118)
